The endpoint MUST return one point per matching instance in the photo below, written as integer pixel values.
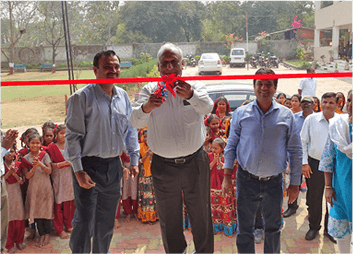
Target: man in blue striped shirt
(98, 129)
(261, 134)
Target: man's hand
(227, 186)
(329, 195)
(84, 180)
(153, 102)
(134, 171)
(306, 170)
(9, 139)
(183, 89)
(293, 192)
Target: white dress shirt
(314, 136)
(3, 153)
(308, 86)
(176, 128)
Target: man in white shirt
(180, 165)
(6, 144)
(307, 86)
(314, 135)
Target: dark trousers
(192, 178)
(95, 208)
(258, 220)
(314, 194)
(252, 194)
(44, 226)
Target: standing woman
(336, 162)
(340, 103)
(296, 98)
(147, 210)
(317, 107)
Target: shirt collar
(274, 106)
(99, 91)
(322, 117)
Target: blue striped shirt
(97, 125)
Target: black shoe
(330, 237)
(289, 212)
(310, 235)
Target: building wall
(340, 13)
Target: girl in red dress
(223, 206)
(64, 207)
(16, 228)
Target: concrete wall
(319, 51)
(339, 13)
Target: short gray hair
(172, 47)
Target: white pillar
(335, 41)
(317, 5)
(317, 38)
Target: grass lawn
(15, 92)
(297, 63)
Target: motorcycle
(273, 62)
(192, 60)
(253, 61)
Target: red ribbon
(185, 78)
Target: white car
(210, 62)
(237, 57)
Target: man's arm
(200, 100)
(305, 140)
(131, 139)
(295, 153)
(301, 85)
(75, 130)
(139, 118)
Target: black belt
(179, 160)
(259, 178)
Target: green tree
(227, 16)
(123, 36)
(102, 19)
(163, 21)
(18, 16)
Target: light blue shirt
(97, 125)
(261, 141)
(299, 120)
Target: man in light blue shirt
(98, 130)
(262, 133)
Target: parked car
(237, 57)
(210, 62)
(235, 93)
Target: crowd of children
(40, 190)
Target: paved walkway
(137, 237)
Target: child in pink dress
(39, 204)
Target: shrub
(138, 71)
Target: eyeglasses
(174, 63)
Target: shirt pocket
(190, 115)
(122, 122)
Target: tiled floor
(137, 237)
